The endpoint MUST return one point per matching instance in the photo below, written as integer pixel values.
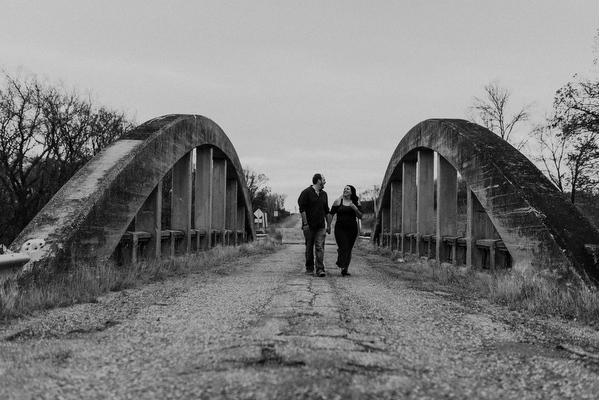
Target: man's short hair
(316, 178)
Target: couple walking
(314, 208)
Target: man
(314, 207)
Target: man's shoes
(320, 273)
(310, 271)
(344, 272)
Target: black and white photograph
(315, 200)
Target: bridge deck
(260, 328)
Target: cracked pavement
(259, 328)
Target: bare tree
(275, 202)
(370, 194)
(492, 113)
(552, 154)
(576, 108)
(569, 141)
(46, 135)
(256, 186)
(261, 195)
(368, 198)
(583, 162)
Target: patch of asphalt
(265, 330)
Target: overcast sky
(304, 86)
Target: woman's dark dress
(346, 232)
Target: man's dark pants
(315, 248)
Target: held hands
(306, 227)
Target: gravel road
(259, 328)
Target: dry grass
(42, 289)
(534, 292)
(542, 293)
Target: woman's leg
(344, 248)
(351, 240)
(340, 245)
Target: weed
(537, 292)
(40, 288)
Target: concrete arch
(537, 224)
(87, 218)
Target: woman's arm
(335, 206)
(357, 209)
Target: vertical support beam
(447, 206)
(172, 242)
(134, 247)
(426, 198)
(479, 227)
(219, 201)
(408, 204)
(231, 210)
(395, 211)
(240, 223)
(386, 222)
(181, 200)
(149, 220)
(492, 251)
(203, 193)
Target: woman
(348, 209)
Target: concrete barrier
(12, 262)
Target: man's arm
(329, 219)
(301, 202)
(304, 220)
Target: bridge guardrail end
(12, 261)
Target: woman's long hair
(354, 196)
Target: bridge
(259, 327)
(512, 216)
(453, 191)
(172, 185)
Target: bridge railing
(513, 217)
(172, 185)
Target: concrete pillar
(231, 210)
(386, 225)
(219, 200)
(241, 222)
(408, 204)
(203, 193)
(148, 219)
(181, 200)
(426, 197)
(479, 227)
(134, 247)
(447, 205)
(395, 212)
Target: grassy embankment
(41, 289)
(534, 292)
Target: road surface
(259, 328)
